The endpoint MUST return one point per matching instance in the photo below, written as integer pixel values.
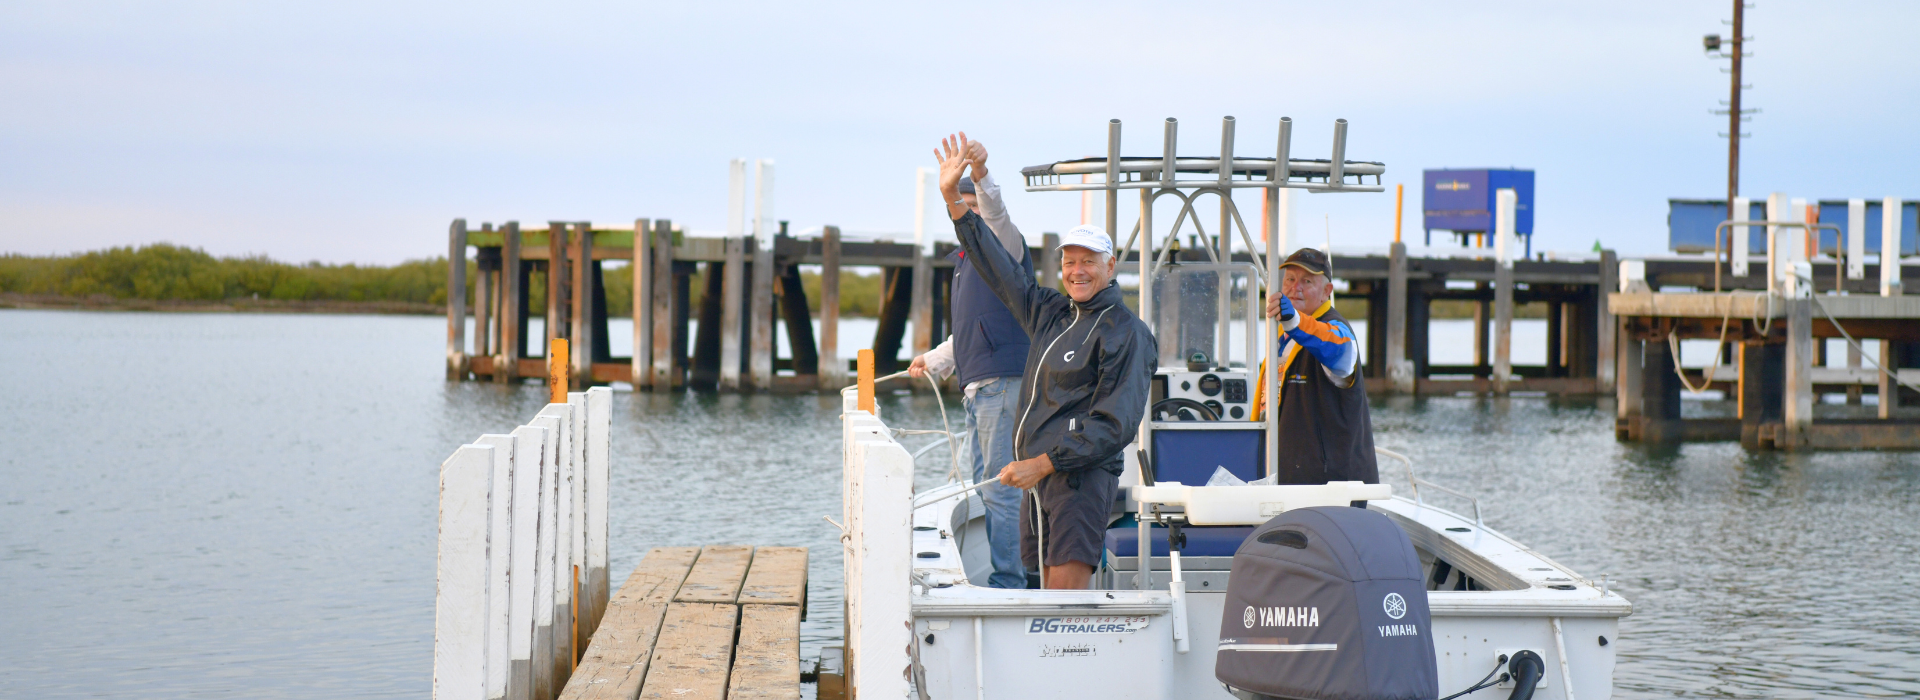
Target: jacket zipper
(1033, 393)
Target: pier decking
(696, 623)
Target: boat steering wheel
(1180, 408)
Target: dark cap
(1309, 259)
(966, 185)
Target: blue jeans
(991, 415)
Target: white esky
(355, 131)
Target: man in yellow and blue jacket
(1326, 432)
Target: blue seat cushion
(1220, 541)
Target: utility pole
(1733, 48)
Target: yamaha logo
(1396, 606)
(1247, 619)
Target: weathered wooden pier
(733, 348)
(522, 605)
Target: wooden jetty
(752, 292)
(522, 606)
(733, 348)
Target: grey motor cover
(1327, 603)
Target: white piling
(1507, 203)
(599, 473)
(577, 531)
(543, 559)
(760, 356)
(522, 583)
(1890, 247)
(1856, 239)
(1742, 239)
(499, 556)
(460, 576)
(877, 600)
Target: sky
(356, 131)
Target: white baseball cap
(1088, 237)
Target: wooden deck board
(616, 661)
(716, 577)
(778, 577)
(694, 654)
(766, 661)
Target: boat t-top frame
(1161, 177)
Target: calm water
(243, 506)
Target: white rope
(1895, 376)
(1706, 381)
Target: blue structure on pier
(1462, 201)
(1691, 223)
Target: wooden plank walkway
(716, 622)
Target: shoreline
(55, 302)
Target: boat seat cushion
(1201, 541)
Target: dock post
(832, 370)
(1482, 329)
(882, 506)
(1659, 394)
(1627, 384)
(486, 263)
(794, 315)
(513, 312)
(892, 325)
(546, 524)
(642, 270)
(922, 301)
(558, 304)
(663, 287)
(1050, 260)
(732, 303)
(1606, 328)
(1503, 290)
(1797, 413)
(1889, 389)
(457, 300)
(460, 576)
(1762, 372)
(1399, 369)
(761, 343)
(583, 309)
(1890, 282)
(704, 374)
(1853, 366)
(1556, 338)
(864, 390)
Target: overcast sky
(355, 131)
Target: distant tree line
(167, 272)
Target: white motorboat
(918, 625)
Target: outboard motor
(1327, 603)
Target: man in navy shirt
(989, 350)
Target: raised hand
(977, 155)
(952, 155)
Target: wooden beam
(766, 661)
(717, 576)
(642, 372)
(831, 370)
(760, 359)
(778, 577)
(457, 300)
(694, 654)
